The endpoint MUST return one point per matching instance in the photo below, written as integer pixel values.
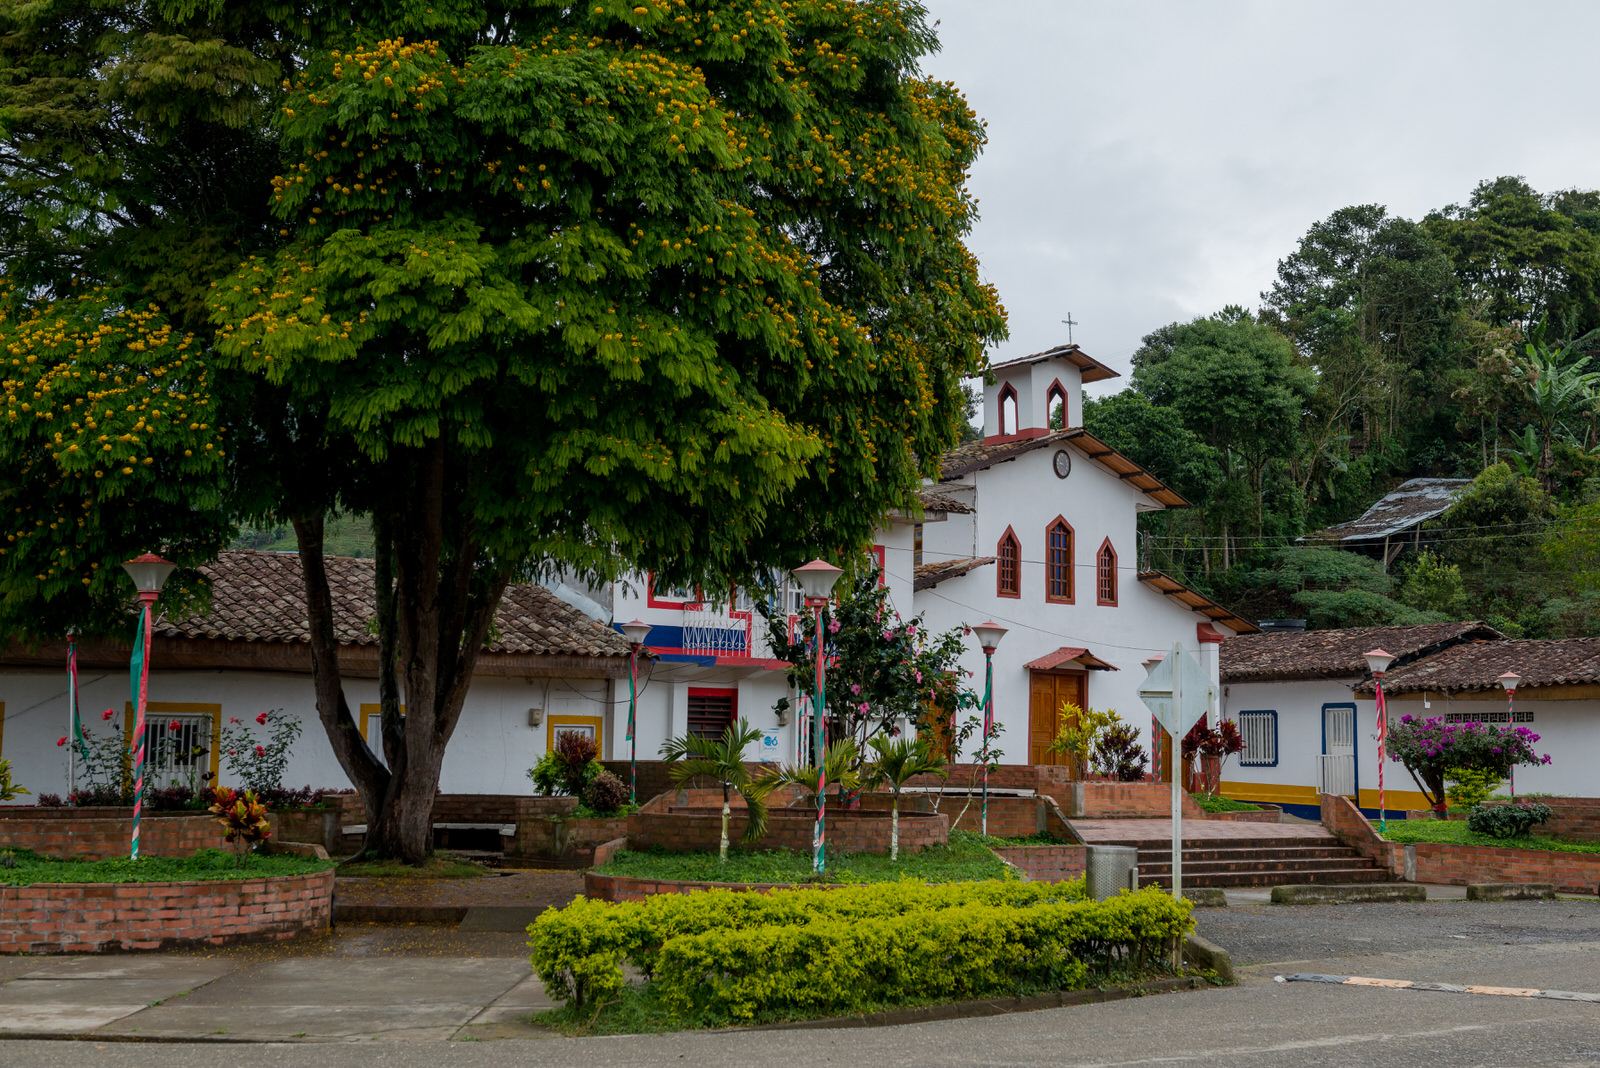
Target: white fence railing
(1336, 774)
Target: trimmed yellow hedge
(836, 950)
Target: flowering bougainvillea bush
(882, 670)
(1433, 750)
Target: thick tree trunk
(370, 777)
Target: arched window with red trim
(1008, 410)
(1058, 561)
(1008, 566)
(1055, 407)
(1106, 574)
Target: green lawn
(1213, 803)
(965, 858)
(208, 864)
(1455, 832)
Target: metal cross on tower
(1070, 323)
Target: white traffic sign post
(1178, 693)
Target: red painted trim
(1066, 404)
(883, 568)
(1072, 554)
(999, 565)
(1099, 593)
(1008, 390)
(1205, 632)
(1021, 435)
(652, 601)
(718, 691)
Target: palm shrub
(899, 760)
(840, 760)
(723, 759)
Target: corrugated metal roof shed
(1413, 502)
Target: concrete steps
(1246, 862)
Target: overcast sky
(1151, 162)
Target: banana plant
(722, 759)
(900, 760)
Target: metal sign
(1178, 673)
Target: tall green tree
(617, 285)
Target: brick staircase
(1240, 861)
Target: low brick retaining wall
(1460, 865)
(692, 821)
(100, 917)
(1268, 814)
(99, 833)
(1045, 864)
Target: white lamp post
(149, 573)
(635, 632)
(989, 635)
(1378, 662)
(816, 581)
(1509, 681)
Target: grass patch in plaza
(1455, 832)
(439, 866)
(1214, 803)
(205, 866)
(965, 858)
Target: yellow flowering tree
(676, 285)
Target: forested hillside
(1464, 344)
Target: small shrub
(568, 767)
(1506, 821)
(1470, 787)
(244, 818)
(50, 801)
(606, 793)
(260, 765)
(1117, 753)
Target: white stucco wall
(491, 751)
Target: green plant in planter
(569, 766)
(723, 759)
(900, 760)
(840, 760)
(1506, 821)
(8, 789)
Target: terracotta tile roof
(1093, 370)
(1476, 666)
(934, 501)
(1409, 504)
(978, 455)
(930, 575)
(259, 597)
(1325, 654)
(1199, 602)
(1069, 655)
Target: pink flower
(833, 626)
(262, 719)
(108, 713)
(261, 751)
(912, 630)
(855, 689)
(864, 708)
(918, 674)
(61, 742)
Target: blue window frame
(1260, 731)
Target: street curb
(1206, 897)
(1341, 895)
(1207, 955)
(398, 913)
(967, 1010)
(1510, 891)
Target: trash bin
(1110, 869)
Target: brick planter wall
(1122, 800)
(692, 821)
(1009, 817)
(1045, 864)
(1577, 818)
(99, 917)
(1268, 814)
(99, 833)
(1442, 862)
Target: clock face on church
(1062, 462)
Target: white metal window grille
(177, 749)
(1260, 733)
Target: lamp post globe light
(1509, 682)
(816, 581)
(635, 632)
(1378, 662)
(149, 573)
(989, 635)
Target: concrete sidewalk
(361, 983)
